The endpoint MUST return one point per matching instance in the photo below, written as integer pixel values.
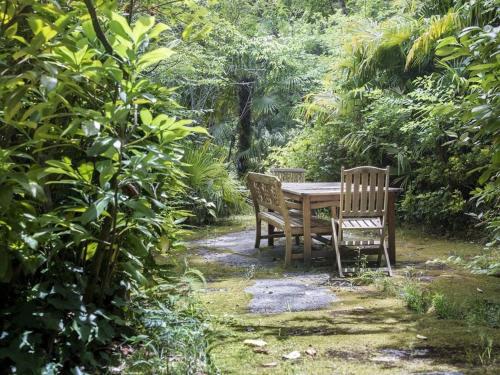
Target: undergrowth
(173, 333)
(425, 299)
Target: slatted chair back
(289, 174)
(266, 192)
(364, 192)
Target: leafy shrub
(417, 298)
(213, 190)
(89, 163)
(437, 209)
(319, 150)
(446, 309)
(174, 331)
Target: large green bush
(89, 162)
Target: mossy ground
(355, 334)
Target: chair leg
(288, 249)
(386, 254)
(337, 251)
(379, 258)
(297, 240)
(258, 233)
(270, 239)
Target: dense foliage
(90, 163)
(122, 120)
(416, 89)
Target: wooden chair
(267, 194)
(289, 174)
(363, 207)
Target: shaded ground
(271, 296)
(351, 329)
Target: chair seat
(318, 226)
(361, 223)
(364, 243)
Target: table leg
(306, 210)
(391, 227)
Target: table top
(317, 188)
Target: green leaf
(445, 51)
(119, 25)
(90, 128)
(146, 116)
(49, 83)
(86, 170)
(141, 208)
(91, 249)
(11, 31)
(137, 246)
(198, 129)
(447, 41)
(106, 171)
(95, 210)
(142, 26)
(154, 57)
(157, 30)
(187, 31)
(88, 30)
(100, 146)
(135, 272)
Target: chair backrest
(364, 192)
(266, 192)
(289, 174)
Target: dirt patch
(237, 249)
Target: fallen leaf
(311, 351)
(261, 350)
(270, 364)
(258, 343)
(421, 337)
(479, 290)
(292, 355)
(118, 369)
(126, 350)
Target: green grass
(223, 226)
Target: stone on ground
(271, 296)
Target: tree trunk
(245, 124)
(343, 6)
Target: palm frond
(376, 47)
(265, 105)
(436, 28)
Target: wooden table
(327, 194)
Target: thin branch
(130, 11)
(97, 27)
